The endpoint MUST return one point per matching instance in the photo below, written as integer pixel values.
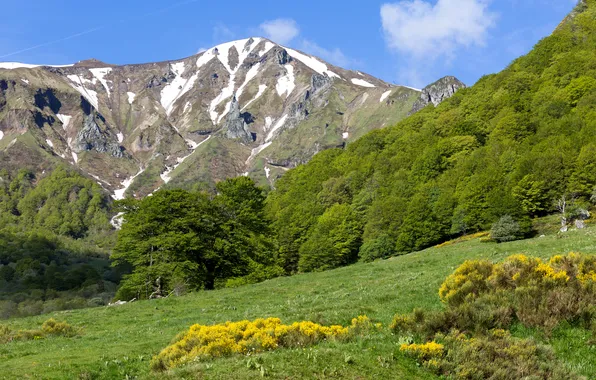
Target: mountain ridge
(138, 126)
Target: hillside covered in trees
(508, 146)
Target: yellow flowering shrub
(246, 337)
(426, 351)
(468, 280)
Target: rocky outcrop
(438, 91)
(236, 125)
(91, 137)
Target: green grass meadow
(118, 342)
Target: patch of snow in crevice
(25, 81)
(226, 93)
(120, 138)
(385, 96)
(165, 176)
(79, 85)
(286, 84)
(345, 135)
(64, 119)
(250, 75)
(119, 194)
(262, 89)
(359, 73)
(311, 62)
(100, 74)
(267, 171)
(187, 106)
(50, 143)
(268, 123)
(256, 151)
(1, 135)
(362, 83)
(75, 157)
(131, 97)
(280, 123)
(268, 46)
(177, 88)
(19, 65)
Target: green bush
(379, 248)
(506, 229)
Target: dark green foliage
(379, 248)
(51, 231)
(506, 229)
(177, 240)
(509, 145)
(41, 273)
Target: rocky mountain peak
(438, 91)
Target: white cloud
(281, 30)
(421, 29)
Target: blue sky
(411, 42)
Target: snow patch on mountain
(286, 84)
(250, 75)
(78, 84)
(177, 87)
(131, 97)
(225, 93)
(1, 135)
(385, 96)
(166, 175)
(64, 119)
(100, 74)
(280, 123)
(267, 171)
(313, 63)
(258, 150)
(362, 83)
(120, 138)
(262, 89)
(50, 143)
(25, 81)
(119, 194)
(268, 46)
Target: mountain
(247, 107)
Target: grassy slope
(120, 341)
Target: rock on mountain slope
(245, 107)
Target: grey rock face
(282, 56)
(91, 137)
(320, 82)
(437, 92)
(236, 126)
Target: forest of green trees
(503, 150)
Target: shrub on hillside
(379, 248)
(495, 355)
(506, 229)
(247, 337)
(51, 327)
(481, 298)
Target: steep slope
(513, 144)
(244, 107)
